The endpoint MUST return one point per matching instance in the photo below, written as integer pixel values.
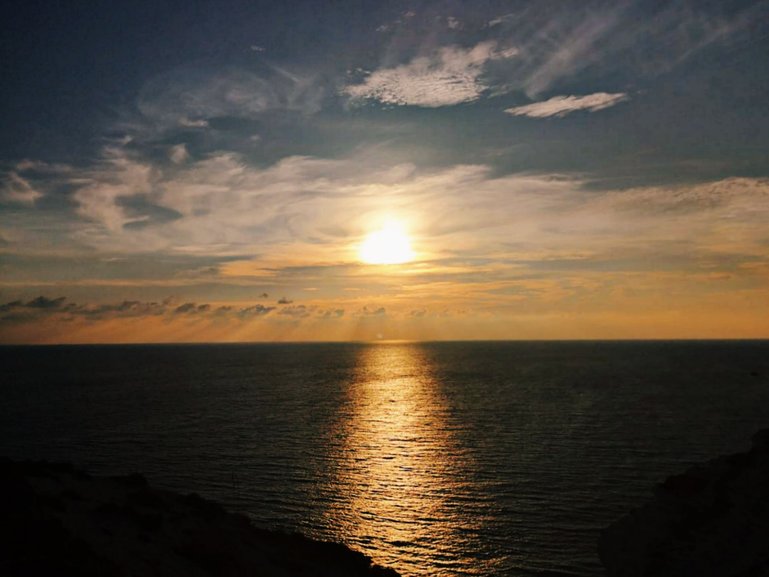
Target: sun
(388, 245)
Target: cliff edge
(712, 520)
(56, 520)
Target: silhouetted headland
(57, 520)
(712, 520)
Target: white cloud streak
(560, 106)
(574, 51)
(451, 75)
(189, 96)
(561, 43)
(17, 189)
(305, 211)
(101, 188)
(178, 154)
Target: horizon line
(391, 342)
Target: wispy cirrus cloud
(305, 210)
(562, 42)
(544, 49)
(27, 181)
(448, 76)
(560, 106)
(735, 202)
(17, 189)
(575, 49)
(189, 97)
(102, 188)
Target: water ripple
(455, 459)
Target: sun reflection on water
(398, 468)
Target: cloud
(730, 200)
(448, 76)
(188, 123)
(454, 23)
(276, 220)
(42, 302)
(298, 222)
(284, 301)
(298, 311)
(561, 41)
(122, 309)
(331, 314)
(256, 310)
(576, 48)
(498, 20)
(178, 153)
(311, 312)
(682, 29)
(9, 306)
(45, 307)
(371, 312)
(192, 308)
(221, 204)
(553, 44)
(39, 167)
(116, 176)
(15, 310)
(27, 181)
(560, 106)
(17, 189)
(190, 96)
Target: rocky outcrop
(712, 520)
(56, 520)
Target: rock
(712, 520)
(56, 520)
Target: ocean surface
(475, 458)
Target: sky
(209, 171)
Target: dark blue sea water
(495, 458)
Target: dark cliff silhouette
(712, 520)
(56, 520)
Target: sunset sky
(210, 171)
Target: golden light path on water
(400, 476)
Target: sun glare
(388, 245)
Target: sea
(435, 459)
